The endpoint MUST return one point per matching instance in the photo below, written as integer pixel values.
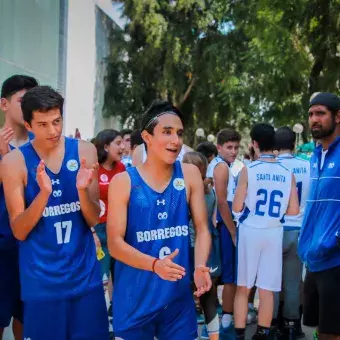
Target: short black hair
(264, 135)
(40, 98)
(17, 83)
(125, 132)
(104, 137)
(285, 138)
(149, 119)
(136, 139)
(208, 149)
(228, 135)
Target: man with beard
(319, 244)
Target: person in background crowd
(127, 154)
(266, 191)
(209, 150)
(228, 143)
(319, 242)
(77, 134)
(291, 308)
(110, 148)
(135, 140)
(209, 300)
(13, 134)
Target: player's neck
(45, 152)
(267, 156)
(285, 152)
(108, 165)
(127, 153)
(20, 136)
(159, 170)
(327, 141)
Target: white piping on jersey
(324, 200)
(325, 177)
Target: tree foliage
(224, 63)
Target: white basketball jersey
(301, 170)
(232, 181)
(269, 186)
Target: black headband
(330, 100)
(157, 116)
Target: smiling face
(322, 122)
(229, 151)
(167, 139)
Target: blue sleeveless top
(157, 224)
(7, 239)
(58, 257)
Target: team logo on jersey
(161, 202)
(57, 193)
(102, 208)
(178, 184)
(72, 165)
(331, 165)
(104, 178)
(315, 165)
(163, 216)
(55, 181)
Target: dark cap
(330, 100)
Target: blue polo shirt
(318, 247)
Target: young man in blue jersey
(148, 234)
(51, 193)
(228, 143)
(319, 243)
(290, 306)
(12, 134)
(266, 191)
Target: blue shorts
(10, 303)
(78, 318)
(228, 255)
(175, 322)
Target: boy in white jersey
(266, 191)
(292, 265)
(228, 143)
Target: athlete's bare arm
(221, 177)
(293, 205)
(14, 176)
(89, 194)
(118, 199)
(137, 155)
(198, 210)
(241, 191)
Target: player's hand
(6, 135)
(168, 270)
(43, 179)
(202, 280)
(85, 176)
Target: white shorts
(259, 257)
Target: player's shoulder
(190, 170)
(85, 145)
(12, 158)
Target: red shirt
(104, 178)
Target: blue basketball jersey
(58, 258)
(268, 193)
(7, 239)
(157, 224)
